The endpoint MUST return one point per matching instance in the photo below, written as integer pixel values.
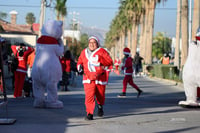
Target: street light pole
(190, 22)
(74, 20)
(42, 15)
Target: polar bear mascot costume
(191, 73)
(47, 71)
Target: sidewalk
(156, 111)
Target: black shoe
(100, 111)
(122, 95)
(139, 93)
(89, 117)
(66, 89)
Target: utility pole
(74, 22)
(190, 22)
(42, 14)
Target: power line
(19, 6)
(79, 7)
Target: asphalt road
(156, 111)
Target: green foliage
(61, 8)
(84, 41)
(77, 47)
(1, 29)
(165, 72)
(161, 45)
(3, 15)
(30, 18)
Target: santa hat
(95, 38)
(126, 51)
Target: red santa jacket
(94, 65)
(66, 64)
(117, 62)
(22, 67)
(128, 66)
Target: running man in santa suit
(128, 71)
(92, 63)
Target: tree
(184, 31)
(30, 18)
(77, 46)
(161, 45)
(151, 4)
(134, 10)
(178, 26)
(1, 29)
(3, 15)
(196, 18)
(61, 9)
(83, 41)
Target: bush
(164, 71)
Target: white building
(73, 34)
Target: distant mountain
(100, 33)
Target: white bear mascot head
(52, 28)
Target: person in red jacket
(117, 64)
(66, 61)
(22, 53)
(128, 71)
(92, 63)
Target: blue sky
(92, 13)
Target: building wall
(73, 34)
(18, 38)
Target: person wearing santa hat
(92, 63)
(128, 71)
(21, 52)
(117, 63)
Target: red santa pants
(117, 67)
(92, 90)
(19, 83)
(128, 79)
(117, 70)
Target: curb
(179, 84)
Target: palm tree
(184, 31)
(61, 9)
(112, 36)
(132, 10)
(196, 17)
(3, 15)
(137, 9)
(178, 26)
(30, 18)
(142, 29)
(149, 27)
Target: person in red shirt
(117, 63)
(66, 67)
(21, 53)
(92, 63)
(128, 71)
